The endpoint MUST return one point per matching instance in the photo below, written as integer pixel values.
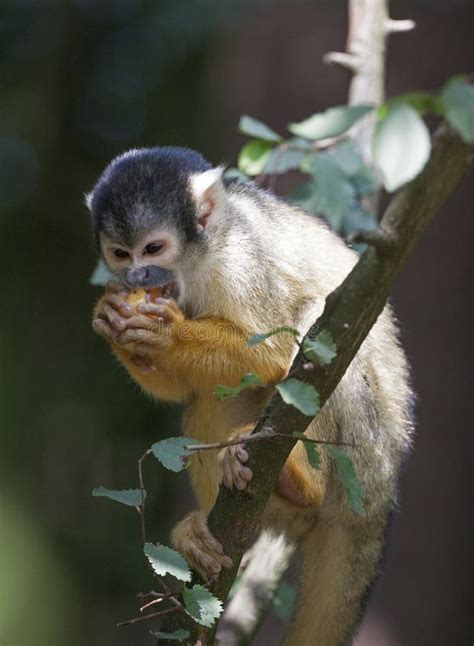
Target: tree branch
(350, 312)
(265, 564)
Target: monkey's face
(151, 261)
(152, 213)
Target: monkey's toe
(192, 538)
(232, 461)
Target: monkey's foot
(232, 461)
(192, 538)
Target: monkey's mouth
(168, 290)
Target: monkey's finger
(242, 454)
(168, 302)
(146, 323)
(110, 314)
(137, 335)
(160, 311)
(117, 302)
(102, 328)
(116, 288)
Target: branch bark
(350, 312)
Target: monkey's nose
(137, 277)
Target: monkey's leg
(341, 556)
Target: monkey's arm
(109, 320)
(201, 352)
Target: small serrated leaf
(164, 560)
(171, 452)
(347, 475)
(229, 392)
(312, 450)
(101, 275)
(321, 349)
(178, 635)
(255, 128)
(254, 156)
(331, 123)
(302, 396)
(260, 338)
(281, 161)
(330, 192)
(458, 99)
(201, 604)
(130, 497)
(401, 146)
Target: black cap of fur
(143, 189)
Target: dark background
(81, 81)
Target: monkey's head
(152, 211)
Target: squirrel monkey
(232, 260)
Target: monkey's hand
(234, 472)
(110, 312)
(192, 538)
(151, 329)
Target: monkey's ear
(88, 200)
(208, 192)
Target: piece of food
(138, 296)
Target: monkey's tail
(340, 562)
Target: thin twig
(378, 238)
(256, 437)
(141, 507)
(136, 620)
(153, 602)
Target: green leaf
(171, 452)
(284, 600)
(254, 128)
(458, 99)
(348, 158)
(302, 396)
(401, 146)
(229, 392)
(101, 275)
(130, 497)
(331, 123)
(422, 102)
(178, 635)
(358, 219)
(312, 450)
(254, 156)
(329, 193)
(260, 338)
(321, 349)
(281, 161)
(347, 475)
(203, 606)
(164, 560)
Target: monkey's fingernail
(126, 307)
(120, 323)
(123, 294)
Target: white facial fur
(138, 256)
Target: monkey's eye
(121, 253)
(153, 247)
